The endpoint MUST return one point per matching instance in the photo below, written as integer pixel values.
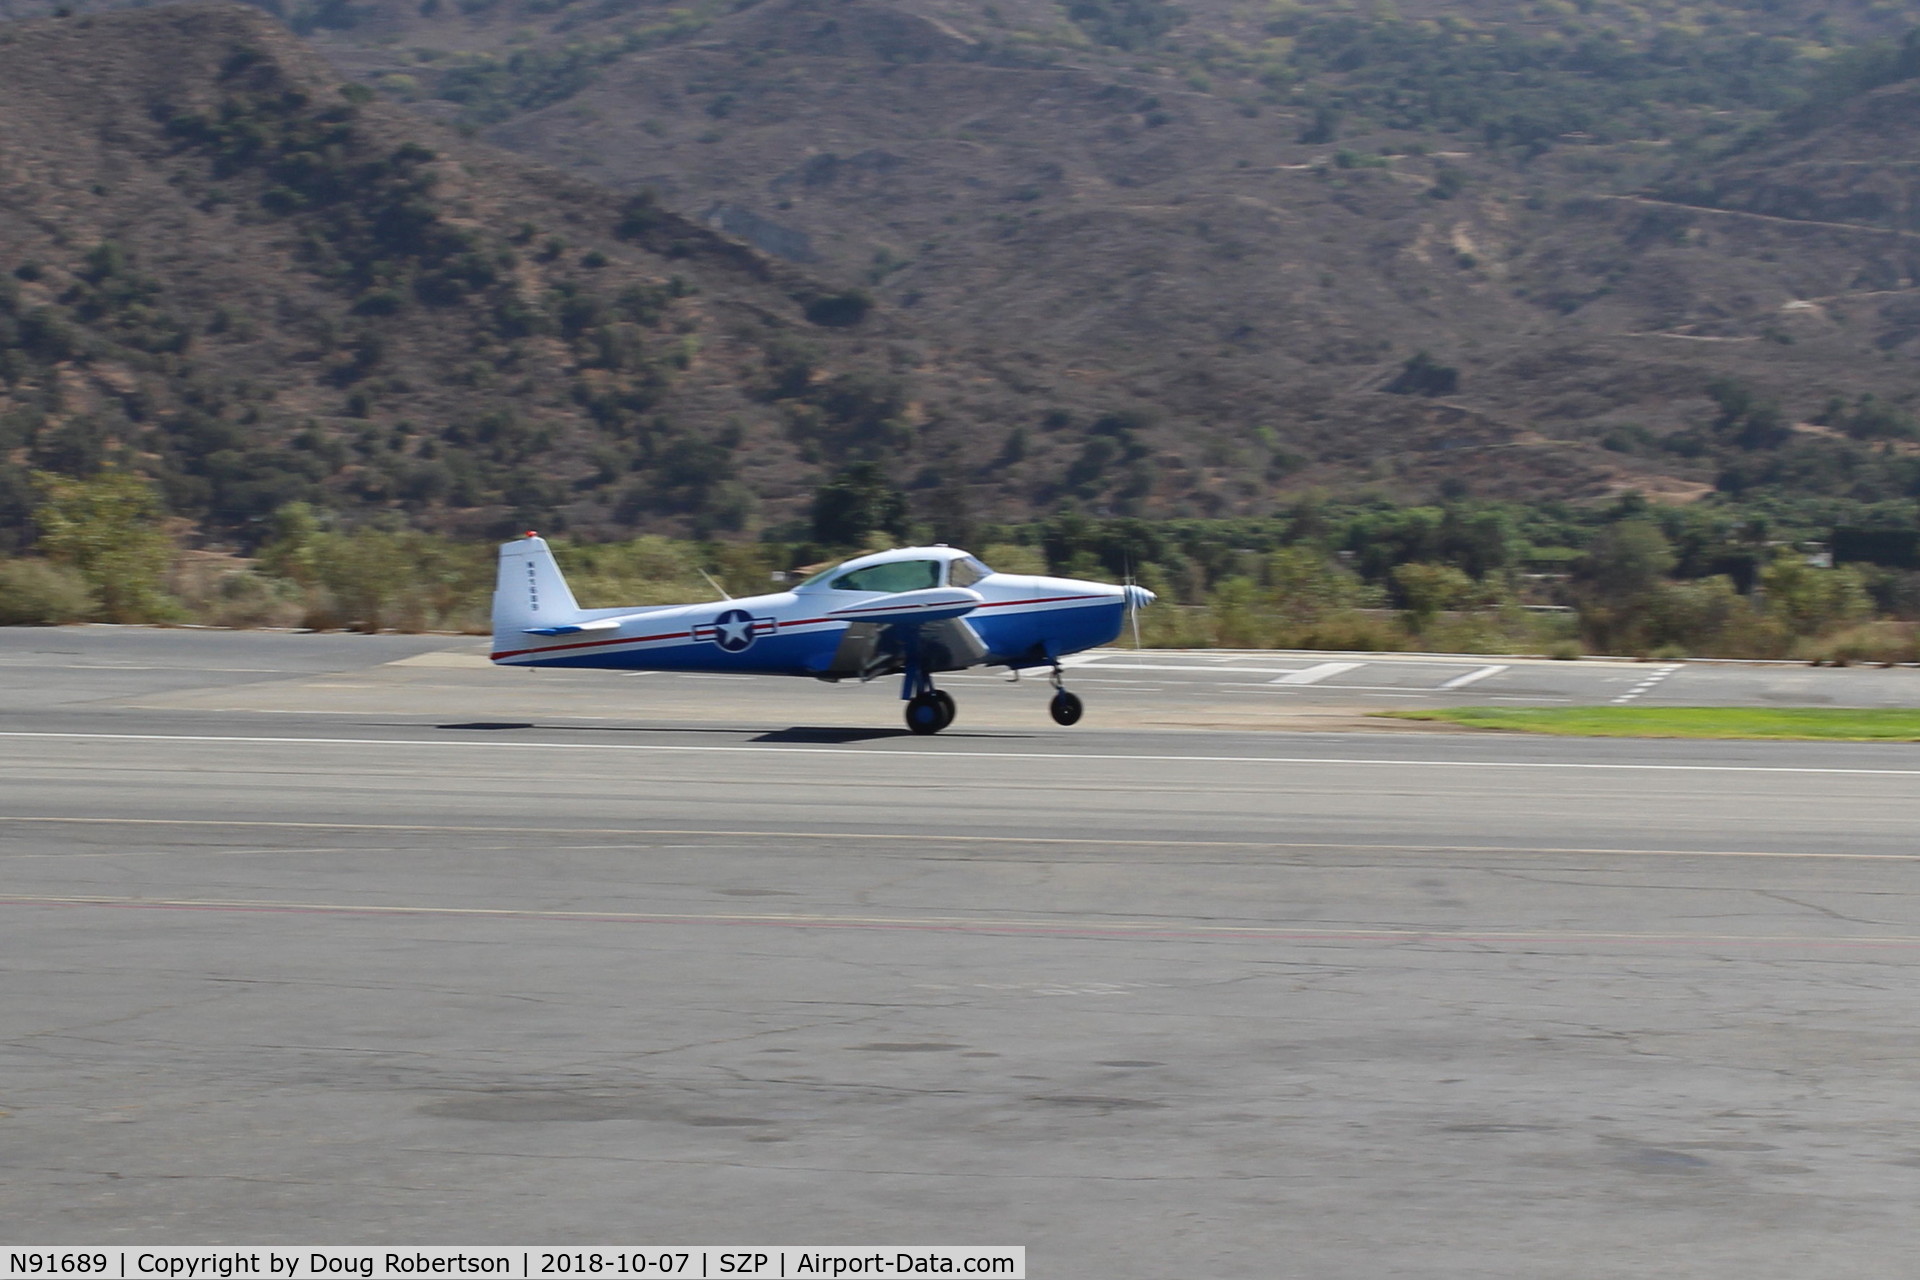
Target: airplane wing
(929, 605)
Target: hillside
(232, 272)
(1158, 259)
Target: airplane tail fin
(530, 591)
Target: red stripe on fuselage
(590, 644)
(1005, 604)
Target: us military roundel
(735, 630)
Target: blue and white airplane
(912, 612)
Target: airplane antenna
(716, 586)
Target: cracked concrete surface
(1248, 1017)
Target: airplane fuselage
(1023, 621)
(914, 612)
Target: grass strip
(1807, 724)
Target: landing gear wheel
(947, 709)
(1065, 708)
(925, 714)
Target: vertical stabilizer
(529, 592)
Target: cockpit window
(966, 571)
(900, 575)
(817, 579)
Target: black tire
(1066, 708)
(947, 708)
(925, 714)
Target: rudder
(530, 590)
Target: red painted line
(1007, 604)
(592, 644)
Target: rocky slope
(230, 270)
(1155, 259)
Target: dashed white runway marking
(1646, 684)
(1318, 672)
(1473, 677)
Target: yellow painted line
(1175, 929)
(941, 838)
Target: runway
(340, 944)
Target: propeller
(1137, 599)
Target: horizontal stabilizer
(929, 605)
(594, 624)
(598, 624)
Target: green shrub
(1886, 643)
(108, 529)
(1350, 631)
(41, 593)
(643, 571)
(224, 591)
(1007, 557)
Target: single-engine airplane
(911, 612)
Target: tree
(1624, 568)
(1422, 375)
(1626, 562)
(1236, 622)
(854, 503)
(1811, 600)
(1426, 589)
(293, 550)
(1306, 586)
(108, 528)
(840, 310)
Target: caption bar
(743, 1262)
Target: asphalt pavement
(350, 940)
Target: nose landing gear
(1066, 708)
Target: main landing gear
(929, 710)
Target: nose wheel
(1066, 708)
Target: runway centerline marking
(1071, 841)
(1151, 929)
(943, 755)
